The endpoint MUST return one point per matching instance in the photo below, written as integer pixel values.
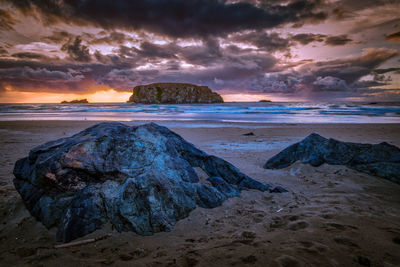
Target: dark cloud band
(176, 18)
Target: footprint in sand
(287, 261)
(298, 225)
(277, 222)
(345, 242)
(312, 247)
(334, 226)
(327, 216)
(331, 226)
(396, 240)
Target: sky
(301, 50)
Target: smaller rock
(248, 134)
(382, 160)
(76, 101)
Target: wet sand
(332, 216)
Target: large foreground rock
(139, 179)
(174, 93)
(382, 160)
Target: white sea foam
(227, 112)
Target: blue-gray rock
(137, 179)
(222, 186)
(382, 160)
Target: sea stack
(76, 101)
(174, 93)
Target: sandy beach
(331, 216)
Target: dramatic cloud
(76, 50)
(337, 40)
(329, 83)
(59, 37)
(6, 20)
(395, 37)
(111, 38)
(177, 18)
(334, 40)
(150, 50)
(333, 75)
(296, 48)
(270, 42)
(306, 38)
(3, 52)
(29, 55)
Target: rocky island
(174, 93)
(76, 101)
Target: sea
(210, 114)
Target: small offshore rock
(76, 101)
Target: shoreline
(324, 220)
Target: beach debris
(82, 242)
(382, 160)
(248, 134)
(139, 179)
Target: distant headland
(76, 101)
(265, 100)
(174, 93)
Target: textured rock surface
(173, 93)
(139, 179)
(382, 160)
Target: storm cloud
(6, 20)
(76, 50)
(292, 48)
(337, 40)
(332, 75)
(395, 37)
(176, 18)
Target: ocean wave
(238, 112)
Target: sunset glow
(102, 96)
(301, 50)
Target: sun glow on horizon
(111, 95)
(107, 95)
